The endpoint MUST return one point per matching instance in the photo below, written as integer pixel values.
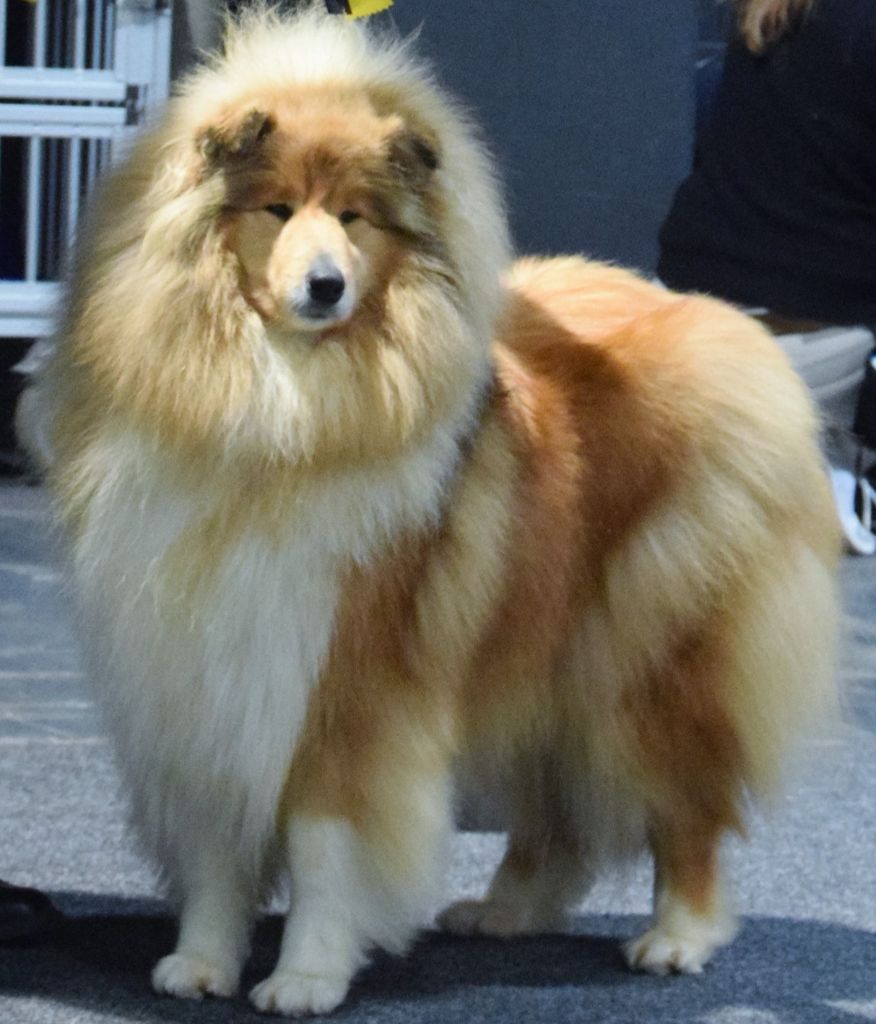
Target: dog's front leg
(215, 924)
(365, 818)
(326, 932)
(362, 879)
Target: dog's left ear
(233, 140)
(414, 156)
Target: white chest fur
(206, 695)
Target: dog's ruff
(543, 524)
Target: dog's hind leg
(547, 866)
(218, 908)
(537, 881)
(691, 919)
(691, 775)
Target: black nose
(325, 289)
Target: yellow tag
(363, 8)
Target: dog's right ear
(229, 141)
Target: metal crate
(77, 78)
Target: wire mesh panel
(77, 78)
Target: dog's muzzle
(324, 296)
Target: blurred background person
(779, 212)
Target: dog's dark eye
(348, 216)
(282, 210)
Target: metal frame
(98, 69)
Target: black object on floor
(26, 915)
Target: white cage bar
(77, 78)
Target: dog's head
(302, 260)
(322, 196)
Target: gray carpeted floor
(806, 882)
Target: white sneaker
(858, 531)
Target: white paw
(499, 919)
(685, 950)
(189, 977)
(299, 995)
(659, 953)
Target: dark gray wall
(588, 105)
(716, 19)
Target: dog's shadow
(795, 972)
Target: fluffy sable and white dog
(354, 503)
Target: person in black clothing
(780, 209)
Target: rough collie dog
(355, 504)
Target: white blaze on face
(315, 272)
